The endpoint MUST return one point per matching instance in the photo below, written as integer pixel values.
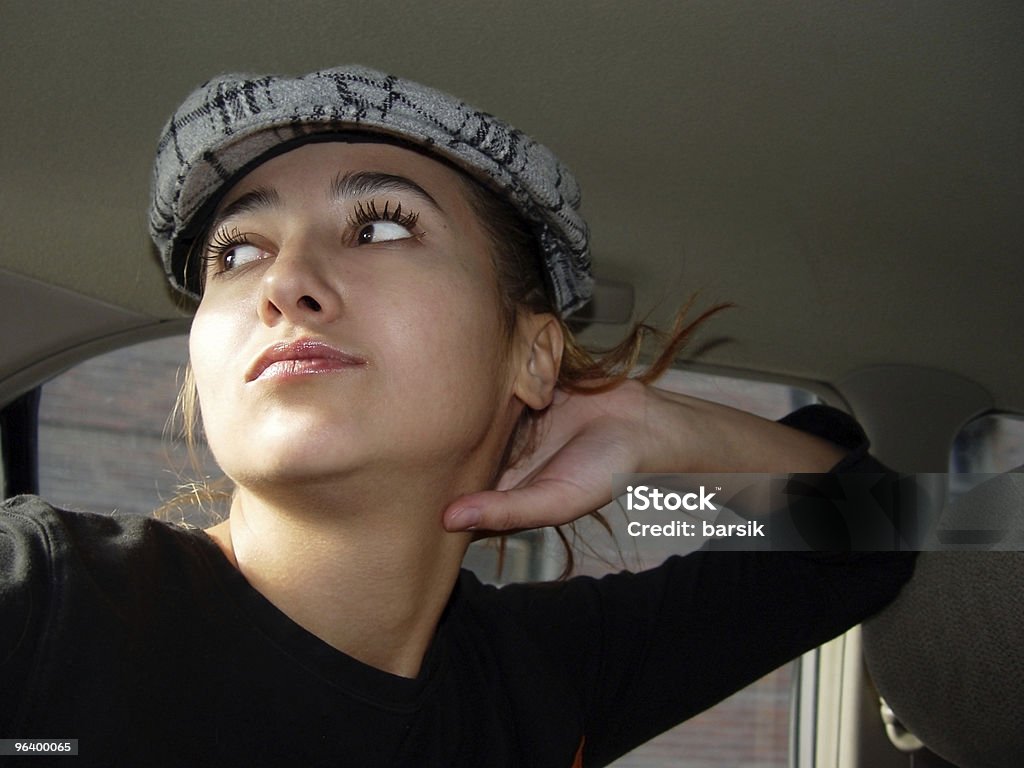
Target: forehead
(310, 169)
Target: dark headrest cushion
(948, 653)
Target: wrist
(710, 437)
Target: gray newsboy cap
(232, 122)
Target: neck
(368, 575)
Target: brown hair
(522, 288)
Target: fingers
(583, 440)
(542, 503)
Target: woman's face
(350, 320)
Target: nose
(298, 288)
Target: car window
(993, 442)
(107, 443)
(105, 438)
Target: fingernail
(465, 519)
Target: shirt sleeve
(842, 429)
(25, 579)
(649, 650)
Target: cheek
(451, 348)
(213, 336)
(457, 320)
(202, 346)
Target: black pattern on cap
(232, 120)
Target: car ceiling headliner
(849, 175)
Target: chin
(293, 472)
(301, 453)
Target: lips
(304, 357)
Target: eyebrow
(369, 183)
(345, 185)
(259, 199)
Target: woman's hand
(581, 441)
(584, 439)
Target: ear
(540, 343)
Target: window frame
(19, 443)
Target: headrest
(948, 654)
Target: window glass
(106, 444)
(990, 443)
(767, 399)
(105, 441)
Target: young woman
(384, 372)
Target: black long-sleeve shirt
(142, 641)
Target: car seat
(948, 654)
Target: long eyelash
(367, 213)
(220, 243)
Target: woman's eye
(242, 254)
(382, 231)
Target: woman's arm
(647, 650)
(585, 439)
(25, 583)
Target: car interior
(849, 176)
